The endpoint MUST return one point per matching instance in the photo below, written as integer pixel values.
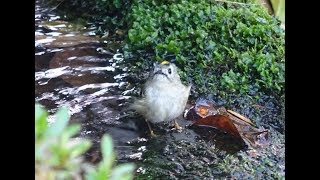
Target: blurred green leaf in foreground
(58, 154)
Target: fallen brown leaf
(239, 119)
(191, 114)
(205, 113)
(220, 122)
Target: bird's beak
(160, 72)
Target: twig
(56, 6)
(232, 2)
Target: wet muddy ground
(74, 68)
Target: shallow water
(74, 69)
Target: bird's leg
(177, 126)
(151, 131)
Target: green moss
(218, 46)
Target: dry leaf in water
(220, 122)
(201, 109)
(205, 113)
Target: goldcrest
(164, 97)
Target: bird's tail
(139, 105)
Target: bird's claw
(153, 134)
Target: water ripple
(52, 73)
(76, 90)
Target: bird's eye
(169, 71)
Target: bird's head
(165, 71)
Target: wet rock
(135, 156)
(137, 141)
(142, 148)
(179, 168)
(206, 160)
(166, 150)
(141, 170)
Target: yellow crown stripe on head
(164, 62)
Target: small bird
(164, 97)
